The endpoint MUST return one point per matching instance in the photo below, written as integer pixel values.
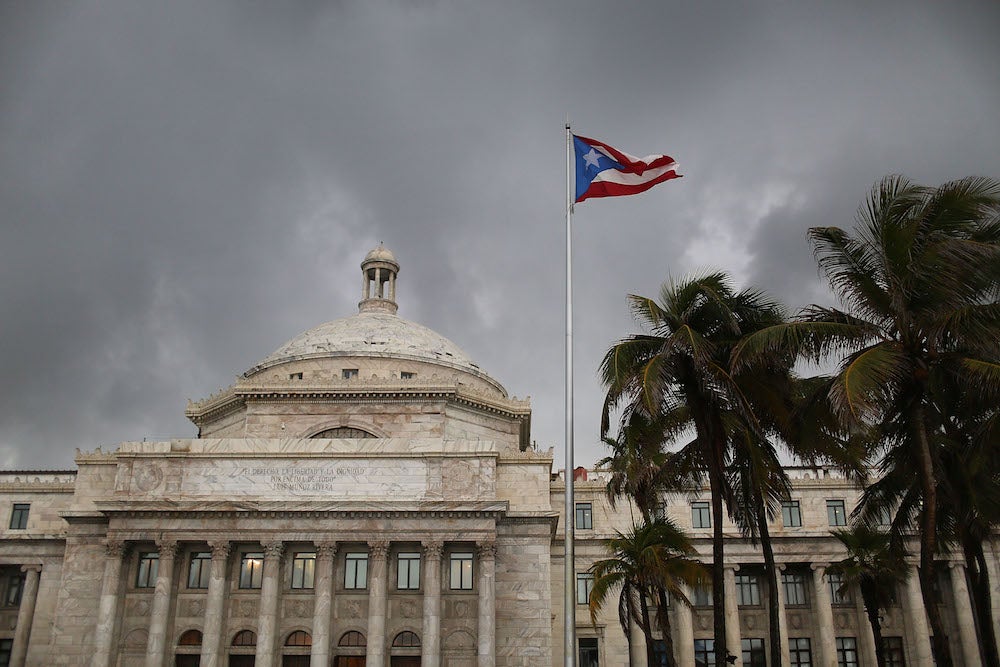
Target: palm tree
(679, 376)
(648, 563)
(919, 281)
(877, 568)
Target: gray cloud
(184, 186)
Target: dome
(374, 334)
(380, 254)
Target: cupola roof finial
(379, 270)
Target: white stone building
(367, 495)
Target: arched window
(190, 638)
(352, 638)
(344, 432)
(245, 638)
(299, 638)
(406, 639)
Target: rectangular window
(835, 513)
(356, 571)
(584, 516)
(304, 570)
(884, 519)
(701, 515)
(19, 516)
(791, 514)
(753, 652)
(661, 511)
(659, 652)
(349, 373)
(149, 566)
(894, 652)
(251, 569)
(704, 652)
(6, 646)
(747, 590)
(588, 652)
(200, 568)
(799, 652)
(795, 589)
(839, 593)
(406, 375)
(847, 652)
(461, 572)
(408, 571)
(584, 585)
(12, 596)
(702, 594)
(295, 376)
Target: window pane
(461, 571)
(584, 585)
(356, 571)
(148, 568)
(701, 516)
(408, 571)
(199, 570)
(15, 583)
(791, 514)
(588, 652)
(795, 588)
(584, 516)
(835, 512)
(753, 652)
(304, 569)
(847, 652)
(747, 590)
(251, 567)
(19, 516)
(704, 652)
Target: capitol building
(368, 495)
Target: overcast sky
(186, 185)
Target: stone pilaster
(784, 660)
(827, 654)
(378, 552)
(267, 624)
(487, 634)
(733, 644)
(916, 621)
(156, 644)
(683, 621)
(25, 615)
(963, 611)
(107, 612)
(325, 553)
(212, 634)
(430, 652)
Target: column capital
(326, 549)
(116, 548)
(781, 566)
(735, 567)
(220, 548)
(379, 548)
(433, 549)
(273, 548)
(487, 549)
(167, 547)
(31, 567)
(816, 567)
(952, 565)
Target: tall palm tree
(650, 562)
(877, 568)
(679, 376)
(918, 280)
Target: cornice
(303, 509)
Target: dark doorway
(404, 661)
(350, 661)
(295, 661)
(242, 660)
(188, 660)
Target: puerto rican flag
(603, 171)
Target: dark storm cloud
(184, 186)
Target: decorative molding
(433, 549)
(379, 549)
(116, 548)
(487, 549)
(167, 547)
(273, 548)
(327, 549)
(220, 549)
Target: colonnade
(212, 649)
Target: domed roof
(372, 334)
(380, 254)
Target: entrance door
(350, 661)
(187, 660)
(242, 660)
(404, 661)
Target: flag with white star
(603, 171)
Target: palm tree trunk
(979, 576)
(928, 536)
(771, 572)
(663, 620)
(718, 553)
(871, 610)
(647, 630)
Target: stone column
(325, 553)
(430, 653)
(107, 612)
(25, 615)
(824, 616)
(267, 624)
(963, 611)
(993, 567)
(487, 635)
(784, 660)
(733, 644)
(684, 644)
(915, 617)
(378, 282)
(212, 636)
(156, 644)
(867, 638)
(366, 283)
(378, 551)
(392, 286)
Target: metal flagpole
(569, 596)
